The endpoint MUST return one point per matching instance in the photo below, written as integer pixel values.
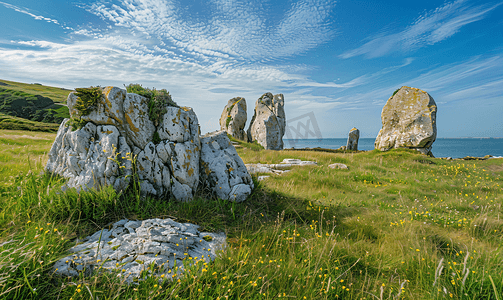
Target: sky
(335, 62)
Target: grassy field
(396, 225)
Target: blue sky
(340, 60)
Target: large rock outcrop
(233, 119)
(408, 121)
(267, 125)
(222, 170)
(119, 138)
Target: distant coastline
(442, 147)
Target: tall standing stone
(353, 136)
(408, 121)
(267, 125)
(233, 118)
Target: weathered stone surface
(267, 125)
(233, 118)
(408, 121)
(338, 166)
(132, 247)
(127, 112)
(90, 157)
(118, 131)
(222, 170)
(353, 136)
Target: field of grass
(396, 225)
(56, 94)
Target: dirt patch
(495, 168)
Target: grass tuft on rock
(158, 100)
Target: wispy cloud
(226, 29)
(428, 29)
(27, 12)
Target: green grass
(255, 146)
(378, 230)
(56, 94)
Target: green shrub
(158, 100)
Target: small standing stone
(354, 135)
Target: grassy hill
(31, 102)
(58, 95)
(396, 225)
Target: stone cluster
(267, 125)
(118, 141)
(156, 247)
(408, 121)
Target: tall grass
(396, 225)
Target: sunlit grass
(396, 225)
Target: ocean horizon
(442, 147)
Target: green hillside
(32, 102)
(15, 123)
(56, 94)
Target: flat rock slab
(338, 166)
(278, 168)
(134, 249)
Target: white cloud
(428, 29)
(27, 12)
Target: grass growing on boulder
(408, 230)
(87, 99)
(158, 100)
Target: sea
(442, 147)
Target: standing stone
(408, 121)
(222, 170)
(267, 126)
(354, 135)
(233, 118)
